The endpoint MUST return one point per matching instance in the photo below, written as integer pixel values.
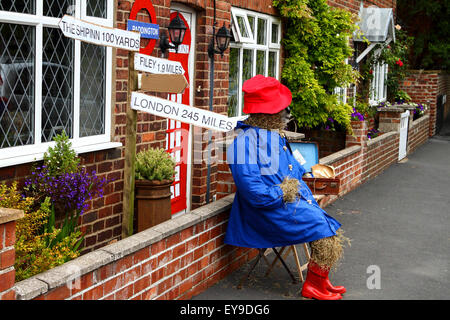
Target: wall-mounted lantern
(222, 38)
(177, 29)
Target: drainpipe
(211, 97)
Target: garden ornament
(273, 206)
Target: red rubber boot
(334, 289)
(315, 286)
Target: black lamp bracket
(164, 43)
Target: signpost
(164, 76)
(145, 63)
(181, 112)
(147, 30)
(99, 35)
(170, 83)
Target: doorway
(179, 134)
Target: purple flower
(70, 190)
(357, 115)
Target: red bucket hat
(265, 95)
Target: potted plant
(154, 171)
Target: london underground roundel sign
(138, 6)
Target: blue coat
(259, 161)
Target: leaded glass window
(92, 93)
(50, 83)
(17, 73)
(25, 6)
(57, 84)
(96, 8)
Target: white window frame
(341, 92)
(378, 87)
(252, 45)
(29, 153)
(275, 45)
(235, 13)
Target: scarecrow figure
(273, 206)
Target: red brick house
(50, 83)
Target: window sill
(40, 155)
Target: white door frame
(192, 27)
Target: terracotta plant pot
(153, 202)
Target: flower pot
(153, 202)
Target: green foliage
(61, 158)
(154, 164)
(316, 44)
(363, 107)
(10, 198)
(39, 245)
(395, 55)
(428, 22)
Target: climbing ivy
(317, 43)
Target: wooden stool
(293, 250)
(290, 249)
(262, 254)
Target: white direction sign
(99, 35)
(146, 63)
(181, 112)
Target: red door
(178, 132)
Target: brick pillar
(359, 137)
(389, 119)
(8, 219)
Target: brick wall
(181, 257)
(424, 87)
(418, 133)
(353, 5)
(362, 159)
(177, 259)
(328, 142)
(8, 219)
(102, 219)
(382, 152)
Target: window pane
(96, 8)
(275, 33)
(17, 70)
(262, 31)
(251, 21)
(242, 28)
(26, 6)
(247, 65)
(233, 83)
(57, 84)
(58, 8)
(92, 94)
(261, 62)
(272, 72)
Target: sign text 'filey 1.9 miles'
(99, 35)
(146, 63)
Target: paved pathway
(399, 224)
